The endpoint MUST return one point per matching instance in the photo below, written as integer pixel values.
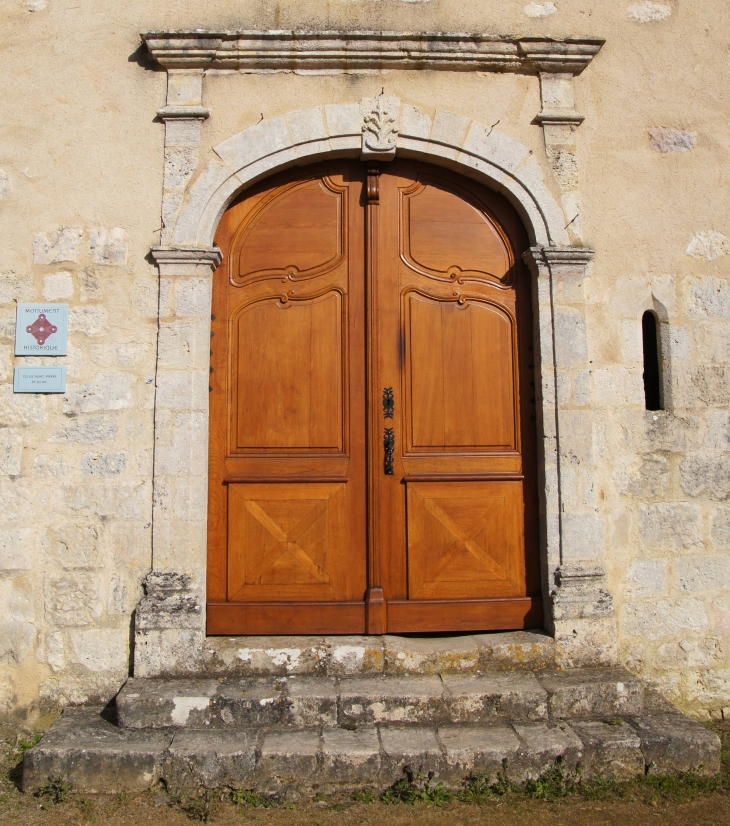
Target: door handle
(389, 434)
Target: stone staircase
(281, 722)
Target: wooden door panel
(285, 541)
(464, 540)
(446, 235)
(286, 375)
(461, 374)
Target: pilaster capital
(559, 258)
(199, 113)
(187, 260)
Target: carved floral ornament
(380, 126)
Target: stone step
(98, 757)
(307, 701)
(356, 656)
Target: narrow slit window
(652, 367)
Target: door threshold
(389, 654)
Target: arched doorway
(372, 408)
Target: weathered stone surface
(409, 745)
(95, 755)
(409, 655)
(663, 139)
(254, 702)
(507, 651)
(477, 749)
(592, 692)
(195, 759)
(674, 743)
(352, 656)
(542, 744)
(496, 696)
(288, 758)
(350, 757)
(312, 702)
(610, 749)
(153, 703)
(366, 701)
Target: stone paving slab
(592, 693)
(371, 700)
(212, 759)
(477, 749)
(542, 745)
(610, 749)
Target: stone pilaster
(182, 115)
(170, 621)
(582, 613)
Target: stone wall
(81, 182)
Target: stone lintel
(186, 260)
(287, 51)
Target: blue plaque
(39, 380)
(41, 330)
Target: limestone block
(15, 288)
(582, 642)
(287, 757)
(663, 618)
(720, 526)
(717, 436)
(118, 500)
(702, 573)
(192, 297)
(706, 473)
(585, 693)
(618, 386)
(683, 655)
(103, 464)
(94, 755)
(540, 9)
(168, 652)
(708, 245)
(474, 699)
(583, 536)
(648, 11)
(55, 652)
(414, 123)
(449, 129)
(209, 180)
(180, 164)
(73, 599)
(108, 246)
(17, 639)
(610, 749)
(663, 139)
(409, 746)
(646, 476)
(182, 391)
(55, 247)
(100, 649)
(646, 578)
(312, 702)
(249, 145)
(417, 656)
(182, 132)
(111, 391)
(514, 650)
(307, 125)
(352, 656)
(571, 343)
(194, 760)
(350, 756)
(20, 410)
(542, 744)
(671, 526)
(75, 545)
(262, 656)
(87, 430)
(180, 344)
(673, 743)
(91, 320)
(478, 749)
(343, 120)
(184, 87)
(6, 186)
(372, 700)
(58, 286)
(11, 452)
(564, 165)
(711, 384)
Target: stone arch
(335, 130)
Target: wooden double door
(372, 408)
